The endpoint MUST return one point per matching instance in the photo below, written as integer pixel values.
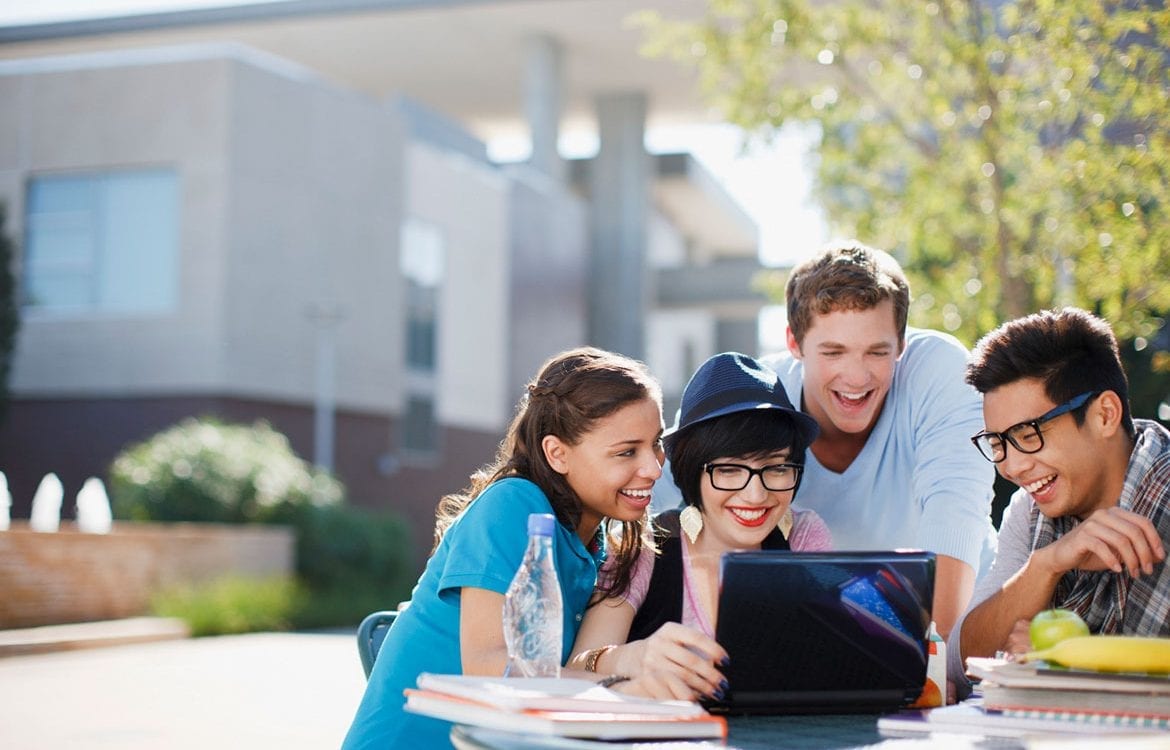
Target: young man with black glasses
(1089, 526)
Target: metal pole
(326, 317)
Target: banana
(1109, 653)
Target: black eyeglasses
(733, 477)
(1025, 436)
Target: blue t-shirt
(482, 549)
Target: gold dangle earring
(691, 522)
(786, 523)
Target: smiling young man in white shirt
(892, 465)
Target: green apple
(1053, 626)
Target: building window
(104, 242)
(420, 434)
(422, 268)
(421, 263)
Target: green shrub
(349, 562)
(204, 470)
(232, 605)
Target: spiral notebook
(824, 632)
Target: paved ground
(284, 691)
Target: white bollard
(5, 503)
(93, 508)
(46, 504)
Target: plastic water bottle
(532, 607)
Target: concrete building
(286, 211)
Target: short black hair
(742, 433)
(1071, 351)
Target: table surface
(828, 732)
(816, 732)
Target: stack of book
(1032, 698)
(564, 707)
(1037, 689)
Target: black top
(664, 594)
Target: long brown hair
(573, 390)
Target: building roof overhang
(464, 58)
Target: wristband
(593, 655)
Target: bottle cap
(541, 524)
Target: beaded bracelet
(593, 655)
(612, 680)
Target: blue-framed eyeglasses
(1025, 437)
(734, 477)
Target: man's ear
(554, 453)
(793, 344)
(1108, 413)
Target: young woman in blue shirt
(586, 446)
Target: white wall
(314, 200)
(665, 244)
(670, 334)
(549, 300)
(130, 116)
(468, 202)
(291, 197)
(673, 333)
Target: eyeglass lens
(1026, 436)
(732, 477)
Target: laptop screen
(811, 632)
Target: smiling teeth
(1033, 486)
(749, 515)
(637, 493)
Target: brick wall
(69, 576)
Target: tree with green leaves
(9, 312)
(1013, 155)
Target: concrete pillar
(619, 190)
(543, 101)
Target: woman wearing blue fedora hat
(736, 454)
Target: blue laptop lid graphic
(824, 632)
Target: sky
(14, 12)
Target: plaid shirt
(1114, 602)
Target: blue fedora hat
(732, 382)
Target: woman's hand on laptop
(680, 651)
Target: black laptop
(824, 632)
